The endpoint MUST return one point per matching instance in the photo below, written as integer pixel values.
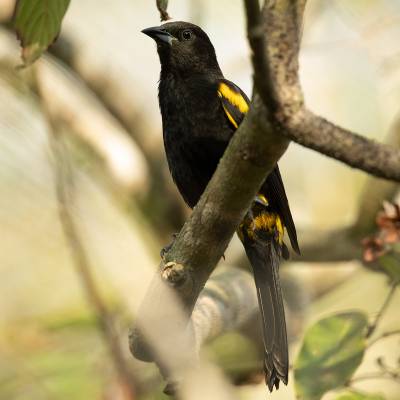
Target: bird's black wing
(274, 190)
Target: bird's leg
(167, 248)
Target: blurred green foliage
(56, 363)
(353, 395)
(332, 350)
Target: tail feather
(265, 257)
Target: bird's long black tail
(264, 257)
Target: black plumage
(200, 112)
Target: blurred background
(99, 83)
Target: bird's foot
(168, 247)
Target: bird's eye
(187, 34)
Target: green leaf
(332, 350)
(37, 23)
(353, 395)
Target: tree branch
(356, 151)
(278, 63)
(316, 245)
(228, 301)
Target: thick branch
(228, 301)
(277, 62)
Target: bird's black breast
(195, 130)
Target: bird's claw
(168, 247)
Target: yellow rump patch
(235, 98)
(268, 222)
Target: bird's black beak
(159, 34)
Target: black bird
(201, 110)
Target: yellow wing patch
(235, 98)
(231, 119)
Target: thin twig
(162, 8)
(375, 375)
(384, 336)
(385, 305)
(384, 373)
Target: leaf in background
(37, 23)
(391, 265)
(162, 6)
(332, 350)
(353, 395)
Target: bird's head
(183, 47)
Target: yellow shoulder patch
(235, 98)
(262, 199)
